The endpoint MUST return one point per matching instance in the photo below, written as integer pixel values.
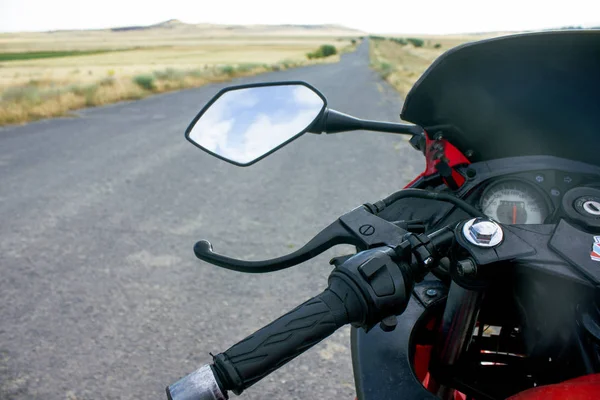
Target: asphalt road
(101, 296)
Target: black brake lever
(359, 228)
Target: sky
(399, 16)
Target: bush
(197, 73)
(400, 41)
(146, 82)
(21, 94)
(247, 67)
(385, 70)
(437, 45)
(416, 42)
(325, 50)
(353, 41)
(108, 81)
(169, 74)
(227, 70)
(374, 37)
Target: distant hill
(247, 30)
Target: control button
(370, 268)
(378, 277)
(555, 192)
(567, 179)
(539, 178)
(382, 284)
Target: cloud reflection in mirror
(245, 124)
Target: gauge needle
(514, 214)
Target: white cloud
(270, 121)
(306, 97)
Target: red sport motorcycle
(480, 279)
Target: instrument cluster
(537, 197)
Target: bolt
(431, 292)
(483, 230)
(428, 261)
(469, 153)
(466, 267)
(388, 324)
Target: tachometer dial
(514, 202)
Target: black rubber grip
(284, 339)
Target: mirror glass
(244, 124)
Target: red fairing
(582, 388)
(438, 151)
(433, 147)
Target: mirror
(244, 124)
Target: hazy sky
(399, 16)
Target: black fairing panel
(382, 360)
(528, 94)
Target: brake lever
(358, 227)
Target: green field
(34, 55)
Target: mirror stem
(335, 122)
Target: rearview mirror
(243, 124)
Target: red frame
(436, 151)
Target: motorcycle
(481, 278)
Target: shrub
(328, 50)
(385, 69)
(416, 42)
(197, 73)
(227, 70)
(437, 45)
(169, 74)
(89, 92)
(247, 67)
(353, 41)
(400, 41)
(325, 50)
(20, 94)
(374, 37)
(146, 82)
(108, 81)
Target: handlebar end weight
(199, 385)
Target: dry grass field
(401, 62)
(49, 74)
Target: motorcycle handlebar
(269, 348)
(366, 288)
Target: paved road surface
(101, 296)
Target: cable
(424, 194)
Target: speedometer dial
(514, 202)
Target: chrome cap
(483, 232)
(199, 385)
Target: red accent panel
(454, 156)
(422, 356)
(582, 388)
